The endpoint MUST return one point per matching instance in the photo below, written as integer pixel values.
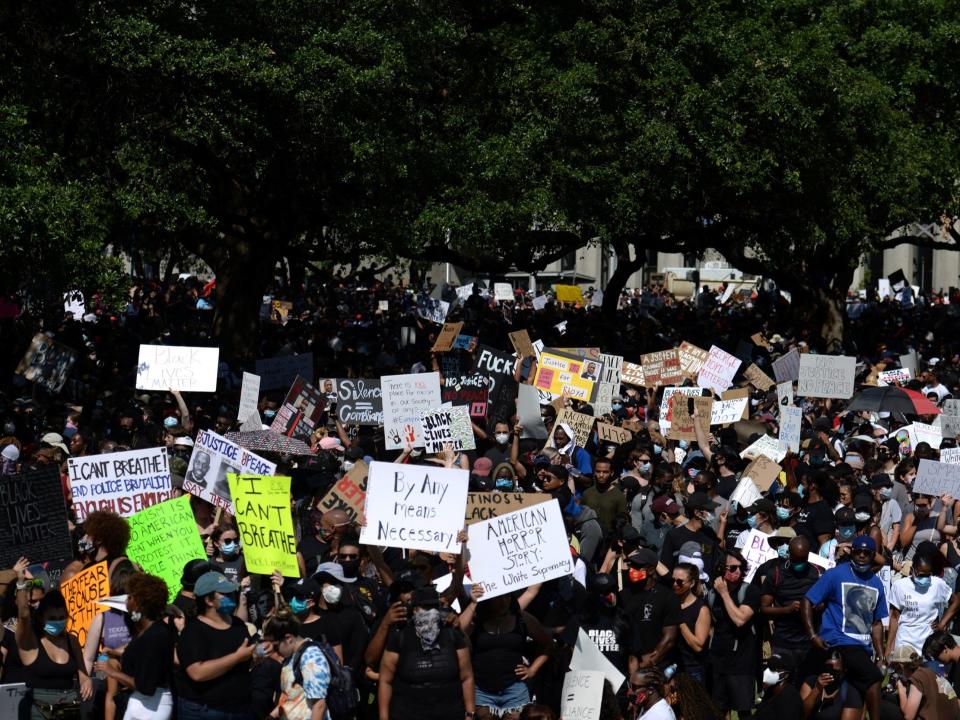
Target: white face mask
(331, 594)
(770, 677)
(502, 438)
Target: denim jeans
(512, 697)
(189, 710)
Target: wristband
(22, 585)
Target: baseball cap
(211, 582)
(643, 558)
(665, 504)
(193, 570)
(781, 536)
(862, 542)
(407, 581)
(482, 467)
(763, 505)
(305, 588)
(700, 501)
(331, 570)
(54, 440)
(904, 654)
(184, 441)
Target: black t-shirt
(148, 659)
(705, 538)
(732, 648)
(785, 705)
(814, 520)
(602, 630)
(12, 670)
(187, 604)
(264, 687)
(324, 628)
(199, 641)
(726, 486)
(496, 656)
(426, 685)
(831, 708)
(734, 528)
(785, 586)
(690, 661)
(314, 552)
(352, 630)
(646, 614)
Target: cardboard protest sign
(950, 456)
(560, 375)
(447, 336)
(661, 368)
(758, 378)
(359, 401)
(613, 434)
(82, 592)
(469, 391)
(937, 479)
(582, 695)
(759, 340)
(724, 412)
(166, 367)
(666, 404)
(279, 372)
(682, 423)
(718, 371)
(588, 655)
(612, 365)
(827, 376)
(213, 458)
(349, 493)
(602, 400)
(791, 419)
(581, 424)
(520, 339)
(11, 696)
(787, 367)
(301, 410)
(763, 471)
(486, 505)
(447, 426)
(764, 445)
(47, 362)
(785, 393)
(898, 376)
(528, 413)
(950, 419)
(249, 396)
(756, 551)
(519, 549)
(405, 399)
(264, 522)
(502, 388)
(433, 309)
(419, 507)
(502, 292)
(33, 517)
(122, 482)
(692, 359)
(568, 293)
(632, 374)
(164, 538)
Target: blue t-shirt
(852, 603)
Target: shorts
(512, 697)
(859, 669)
(734, 692)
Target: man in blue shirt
(854, 605)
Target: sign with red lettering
(123, 482)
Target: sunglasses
(349, 556)
(679, 582)
(732, 568)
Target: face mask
(886, 493)
(426, 623)
(922, 582)
(732, 577)
(55, 627)
(504, 484)
(752, 521)
(262, 650)
(921, 511)
(170, 422)
(136, 616)
(639, 698)
(706, 518)
(502, 438)
(86, 546)
(783, 552)
(637, 575)
(230, 549)
(227, 606)
(783, 513)
(683, 444)
(332, 594)
(269, 414)
(616, 407)
(770, 677)
(298, 606)
(800, 490)
(860, 568)
(846, 531)
(644, 467)
(348, 465)
(351, 568)
(657, 449)
(798, 566)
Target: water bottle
(102, 657)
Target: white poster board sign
(448, 425)
(587, 656)
(724, 412)
(540, 302)
(756, 551)
(249, 396)
(883, 288)
(921, 432)
(898, 376)
(746, 493)
(950, 456)
(418, 507)
(950, 419)
(10, 698)
(718, 371)
(826, 376)
(213, 458)
(175, 367)
(784, 393)
(937, 479)
(122, 482)
(502, 292)
(519, 549)
(405, 399)
(665, 410)
(791, 419)
(582, 695)
(766, 445)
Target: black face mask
(351, 568)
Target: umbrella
(893, 399)
(269, 441)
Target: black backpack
(343, 698)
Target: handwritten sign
(249, 396)
(122, 482)
(718, 371)
(447, 336)
(164, 538)
(611, 368)
(445, 426)
(82, 592)
(745, 494)
(560, 375)
(467, 390)
(33, 517)
(349, 493)
(784, 393)
(950, 419)
(632, 374)
(483, 506)
(405, 399)
(725, 412)
(279, 372)
(265, 524)
(47, 362)
(568, 293)
(666, 404)
(213, 458)
(827, 376)
(787, 367)
(11, 697)
(603, 398)
(763, 471)
(501, 387)
(765, 445)
(950, 456)
(582, 695)
(519, 549)
(580, 423)
(418, 507)
(897, 376)
(682, 422)
(587, 656)
(756, 551)
(791, 419)
(520, 339)
(613, 434)
(359, 401)
(937, 479)
(922, 432)
(162, 367)
(661, 368)
(758, 378)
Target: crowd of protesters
(854, 616)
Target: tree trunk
(618, 281)
(243, 275)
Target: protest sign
(588, 655)
(502, 292)
(279, 372)
(467, 390)
(252, 423)
(264, 522)
(166, 367)
(359, 401)
(756, 551)
(632, 374)
(596, 300)
(661, 368)
(447, 426)
(746, 493)
(540, 302)
(47, 362)
(763, 471)
(280, 311)
(718, 371)
(433, 309)
(582, 695)
(572, 377)
(922, 432)
(826, 376)
(249, 396)
(897, 376)
(349, 493)
(213, 458)
(910, 361)
(33, 517)
(383, 305)
(602, 400)
(405, 399)
(520, 339)
(164, 538)
(759, 340)
(580, 423)
(725, 412)
(692, 359)
(464, 292)
(11, 696)
(784, 393)
(897, 280)
(502, 388)
(611, 368)
(666, 404)
(727, 293)
(486, 505)
(446, 337)
(682, 423)
(791, 419)
(937, 479)
(613, 434)
(764, 445)
(883, 288)
(121, 482)
(519, 549)
(81, 593)
(568, 293)
(418, 507)
(758, 378)
(738, 394)
(787, 367)
(301, 410)
(465, 342)
(528, 413)
(950, 419)
(950, 456)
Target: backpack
(343, 698)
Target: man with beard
(607, 500)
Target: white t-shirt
(918, 610)
(660, 711)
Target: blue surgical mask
(504, 484)
(269, 414)
(800, 490)
(170, 422)
(616, 407)
(229, 548)
(798, 566)
(644, 468)
(298, 606)
(846, 532)
(227, 606)
(683, 444)
(752, 521)
(886, 493)
(783, 551)
(783, 513)
(922, 582)
(657, 449)
(54, 627)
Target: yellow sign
(569, 293)
(262, 505)
(573, 377)
(81, 593)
